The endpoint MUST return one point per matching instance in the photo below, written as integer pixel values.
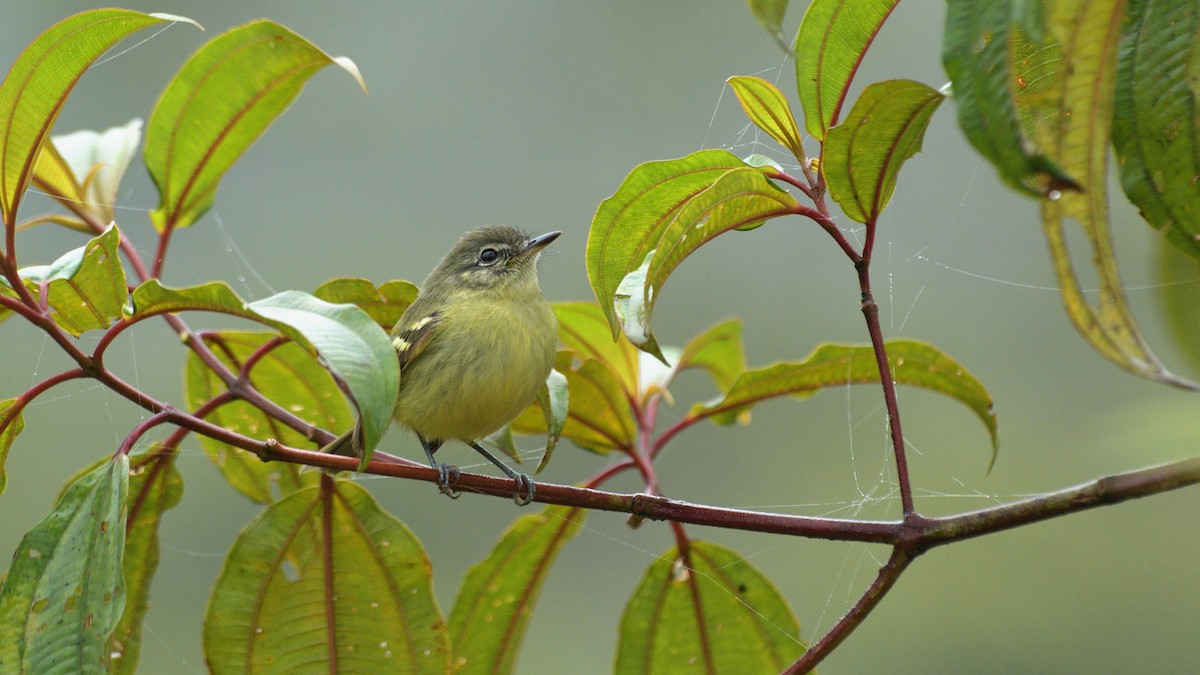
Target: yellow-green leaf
(488, 622)
(324, 580)
(39, 82)
(385, 304)
(219, 103)
(767, 107)
(769, 14)
(11, 425)
(719, 351)
(739, 199)
(863, 155)
(1075, 131)
(708, 610)
(85, 287)
(831, 42)
(582, 328)
(628, 225)
(599, 417)
(288, 375)
(913, 363)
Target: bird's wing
(413, 340)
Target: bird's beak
(538, 243)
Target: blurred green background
(530, 113)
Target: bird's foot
(525, 485)
(447, 474)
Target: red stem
(870, 312)
(884, 581)
(160, 255)
(138, 431)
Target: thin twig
(887, 577)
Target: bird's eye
(489, 256)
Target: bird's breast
(481, 369)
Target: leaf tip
(346, 64)
(175, 18)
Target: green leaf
(288, 375)
(997, 72)
(863, 155)
(219, 103)
(64, 591)
(385, 304)
(599, 417)
(583, 328)
(488, 622)
(11, 425)
(767, 107)
(325, 580)
(739, 199)
(1156, 122)
(86, 167)
(154, 487)
(769, 14)
(719, 351)
(832, 40)
(913, 363)
(1074, 128)
(628, 225)
(707, 609)
(350, 344)
(85, 287)
(39, 82)
(554, 400)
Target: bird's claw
(447, 474)
(524, 484)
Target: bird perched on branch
(474, 348)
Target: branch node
(267, 450)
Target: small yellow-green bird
(474, 347)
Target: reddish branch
(909, 537)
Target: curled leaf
(740, 199)
(628, 225)
(86, 167)
(1074, 128)
(350, 344)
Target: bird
(474, 347)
